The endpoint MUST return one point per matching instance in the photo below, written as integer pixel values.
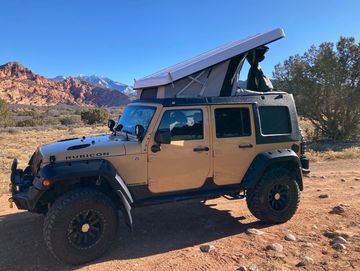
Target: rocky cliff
(19, 85)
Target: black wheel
(80, 226)
(275, 198)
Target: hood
(83, 148)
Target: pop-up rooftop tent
(211, 74)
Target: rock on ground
(337, 233)
(323, 196)
(305, 261)
(290, 237)
(337, 210)
(207, 248)
(275, 247)
(338, 240)
(253, 267)
(338, 246)
(254, 231)
(310, 245)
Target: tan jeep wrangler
(170, 145)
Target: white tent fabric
(203, 75)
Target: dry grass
(349, 153)
(327, 150)
(21, 145)
(333, 150)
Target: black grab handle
(200, 149)
(245, 146)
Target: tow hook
(11, 201)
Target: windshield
(134, 115)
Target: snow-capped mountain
(59, 78)
(102, 81)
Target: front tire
(275, 198)
(80, 226)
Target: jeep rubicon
(166, 148)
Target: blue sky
(124, 40)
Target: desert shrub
(5, 114)
(94, 115)
(51, 121)
(70, 120)
(29, 123)
(53, 113)
(29, 114)
(77, 111)
(325, 81)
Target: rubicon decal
(87, 155)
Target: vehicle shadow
(157, 229)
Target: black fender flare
(267, 159)
(75, 171)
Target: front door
(234, 142)
(186, 162)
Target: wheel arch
(265, 161)
(98, 174)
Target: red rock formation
(19, 85)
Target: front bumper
(305, 164)
(23, 193)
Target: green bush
(325, 81)
(94, 115)
(5, 114)
(70, 120)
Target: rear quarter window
(274, 120)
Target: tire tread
(254, 199)
(61, 204)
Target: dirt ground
(168, 237)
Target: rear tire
(275, 198)
(80, 226)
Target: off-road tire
(260, 202)
(59, 222)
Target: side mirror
(111, 125)
(119, 127)
(139, 131)
(163, 136)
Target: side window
(183, 124)
(275, 120)
(232, 122)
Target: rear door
(186, 162)
(233, 142)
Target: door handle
(200, 149)
(241, 146)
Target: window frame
(276, 134)
(185, 109)
(240, 107)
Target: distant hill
(19, 85)
(103, 82)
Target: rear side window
(183, 124)
(275, 120)
(232, 122)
